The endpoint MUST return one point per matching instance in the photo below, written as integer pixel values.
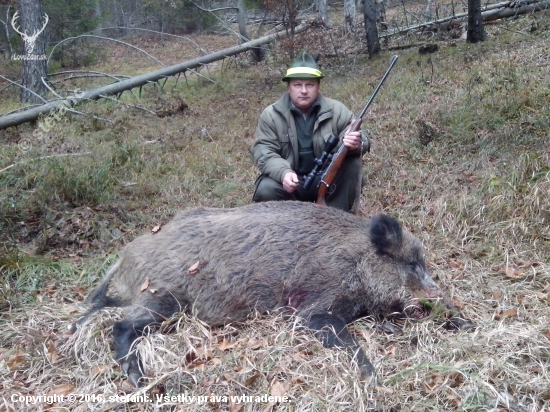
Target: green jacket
(275, 150)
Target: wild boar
(324, 265)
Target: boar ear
(386, 234)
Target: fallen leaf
(98, 370)
(510, 313)
(511, 271)
(257, 344)
(15, 361)
(72, 309)
(235, 407)
(226, 345)
(144, 285)
(384, 391)
(156, 229)
(514, 273)
(51, 352)
(456, 264)
(390, 351)
(49, 289)
(61, 390)
(250, 381)
(194, 268)
(277, 389)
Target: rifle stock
(333, 168)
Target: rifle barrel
(392, 63)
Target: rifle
(337, 159)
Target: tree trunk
(241, 20)
(258, 52)
(476, 29)
(323, 12)
(8, 51)
(349, 15)
(369, 13)
(428, 12)
(33, 67)
(98, 14)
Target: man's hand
(352, 140)
(290, 182)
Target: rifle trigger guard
(330, 188)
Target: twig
(22, 109)
(103, 38)
(127, 104)
(49, 88)
(42, 158)
(229, 29)
(69, 109)
(23, 87)
(112, 76)
(153, 31)
(213, 10)
(82, 76)
(6, 28)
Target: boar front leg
(332, 331)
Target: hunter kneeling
(293, 132)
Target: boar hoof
(389, 327)
(367, 374)
(130, 366)
(458, 323)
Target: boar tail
(98, 298)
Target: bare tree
(33, 69)
(349, 14)
(428, 12)
(370, 14)
(476, 29)
(323, 12)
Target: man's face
(303, 92)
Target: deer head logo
(29, 40)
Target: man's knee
(269, 189)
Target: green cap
(304, 67)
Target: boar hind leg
(126, 331)
(332, 331)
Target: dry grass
(478, 195)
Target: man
(293, 131)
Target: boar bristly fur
(326, 266)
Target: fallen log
(489, 13)
(137, 81)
